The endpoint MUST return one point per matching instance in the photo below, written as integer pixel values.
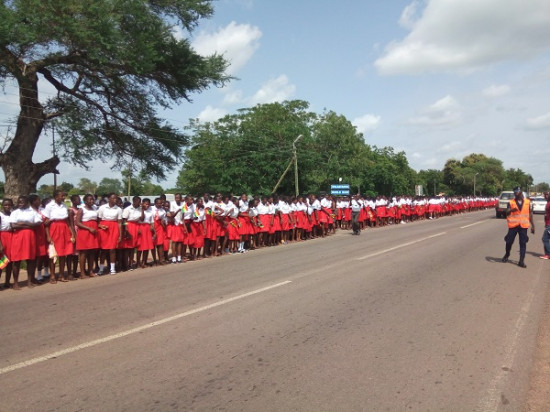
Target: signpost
(340, 190)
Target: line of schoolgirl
(105, 235)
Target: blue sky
(438, 79)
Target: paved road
(418, 317)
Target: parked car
(538, 203)
(503, 202)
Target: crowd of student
(106, 235)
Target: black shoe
(505, 258)
(521, 264)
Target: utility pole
(295, 161)
(296, 164)
(53, 150)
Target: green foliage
(249, 151)
(487, 173)
(47, 190)
(86, 186)
(109, 185)
(140, 184)
(112, 64)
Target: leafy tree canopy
(249, 152)
(111, 64)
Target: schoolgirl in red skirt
(60, 233)
(159, 222)
(110, 232)
(23, 220)
(6, 233)
(87, 242)
(42, 258)
(199, 229)
(130, 226)
(146, 233)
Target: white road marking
(400, 246)
(135, 330)
(472, 224)
(492, 400)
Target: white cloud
(211, 114)
(540, 122)
(237, 42)
(232, 97)
(274, 90)
(445, 111)
(409, 15)
(464, 35)
(496, 91)
(366, 123)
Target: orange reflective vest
(520, 217)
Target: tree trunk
(21, 173)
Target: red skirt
(176, 233)
(265, 223)
(233, 228)
(61, 238)
(25, 242)
(276, 227)
(6, 238)
(189, 233)
(144, 237)
(285, 225)
(161, 233)
(86, 240)
(198, 231)
(41, 241)
(301, 219)
(246, 226)
(108, 238)
(347, 214)
(130, 239)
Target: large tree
(112, 65)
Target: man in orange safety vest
(519, 217)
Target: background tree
(140, 184)
(542, 187)
(112, 64)
(86, 186)
(432, 180)
(247, 151)
(110, 185)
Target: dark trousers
(355, 222)
(523, 239)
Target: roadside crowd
(106, 235)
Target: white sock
(39, 274)
(46, 271)
(179, 258)
(112, 267)
(173, 258)
(101, 267)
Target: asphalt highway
(416, 317)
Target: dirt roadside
(538, 397)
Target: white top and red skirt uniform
(131, 215)
(109, 216)
(60, 233)
(199, 221)
(24, 240)
(86, 240)
(159, 220)
(145, 232)
(6, 234)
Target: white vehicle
(503, 202)
(538, 204)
